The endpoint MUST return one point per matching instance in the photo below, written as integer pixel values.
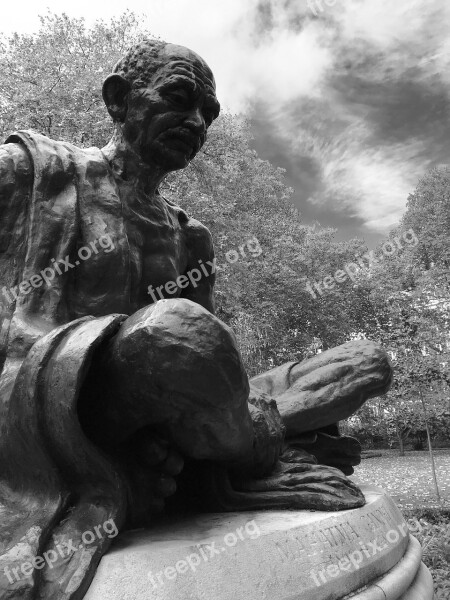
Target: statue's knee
(178, 367)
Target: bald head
(150, 61)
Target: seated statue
(116, 405)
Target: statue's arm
(201, 265)
(16, 179)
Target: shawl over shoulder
(73, 202)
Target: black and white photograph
(225, 300)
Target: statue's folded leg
(329, 387)
(313, 395)
(174, 369)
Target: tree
(409, 292)
(428, 213)
(51, 80)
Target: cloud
(382, 22)
(274, 71)
(373, 118)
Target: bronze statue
(110, 400)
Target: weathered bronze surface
(108, 402)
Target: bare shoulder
(197, 236)
(199, 242)
(198, 233)
(15, 167)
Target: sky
(351, 97)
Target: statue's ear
(115, 90)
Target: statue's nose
(195, 121)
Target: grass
(408, 479)
(409, 482)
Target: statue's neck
(128, 167)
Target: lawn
(409, 481)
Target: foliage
(428, 213)
(51, 80)
(409, 292)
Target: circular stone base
(363, 554)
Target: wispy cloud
(356, 97)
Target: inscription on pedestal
(254, 555)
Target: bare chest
(157, 246)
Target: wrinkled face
(166, 123)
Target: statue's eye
(178, 96)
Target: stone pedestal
(363, 554)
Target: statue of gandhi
(116, 405)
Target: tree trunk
(430, 448)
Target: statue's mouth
(182, 141)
